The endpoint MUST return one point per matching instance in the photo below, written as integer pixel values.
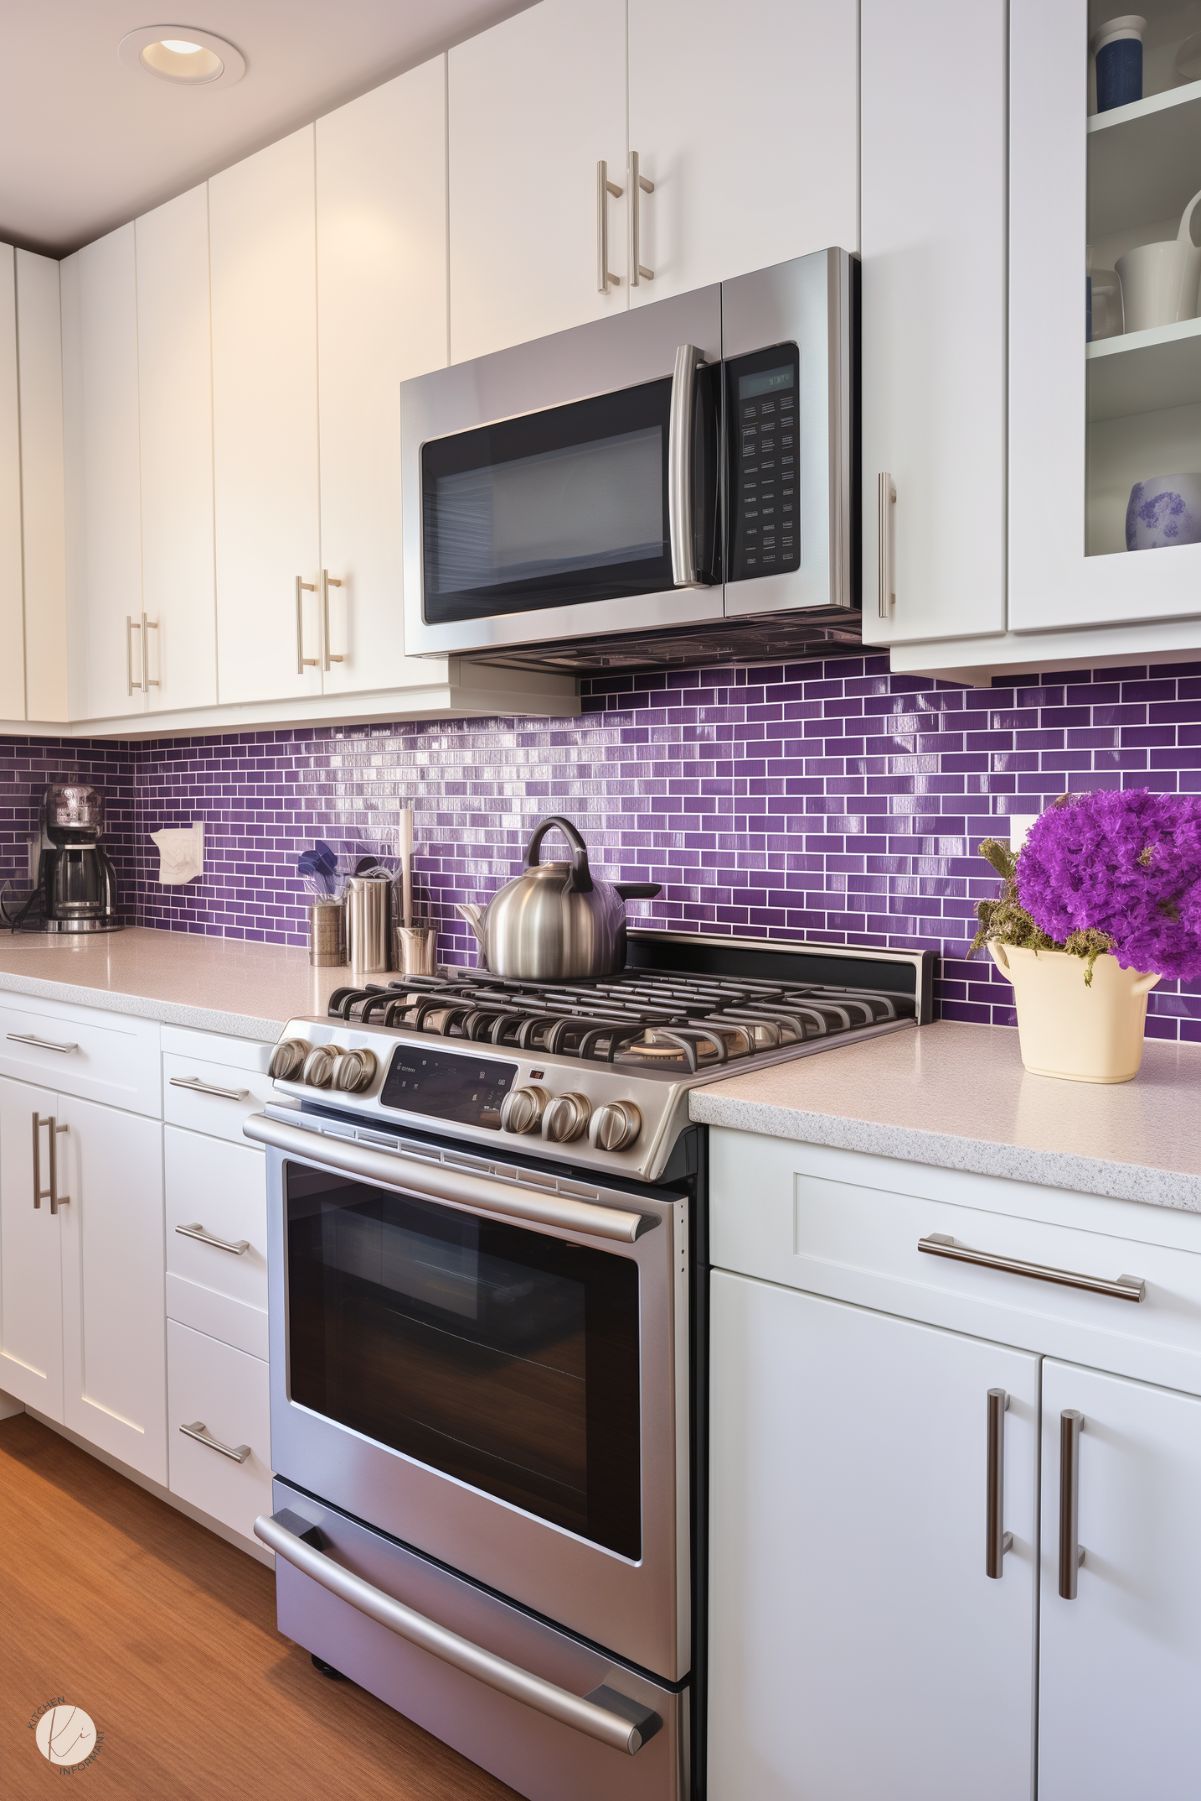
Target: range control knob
(287, 1059)
(522, 1109)
(615, 1125)
(318, 1071)
(566, 1117)
(354, 1071)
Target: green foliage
(1007, 922)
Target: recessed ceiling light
(182, 54)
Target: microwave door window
(554, 508)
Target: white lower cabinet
(217, 1238)
(1120, 1663)
(858, 1646)
(31, 1318)
(220, 1428)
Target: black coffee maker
(76, 883)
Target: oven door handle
(596, 1714)
(451, 1187)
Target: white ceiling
(86, 143)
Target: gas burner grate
(649, 1019)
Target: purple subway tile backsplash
(828, 800)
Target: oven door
(491, 1366)
(567, 488)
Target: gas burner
(668, 1020)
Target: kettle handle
(580, 879)
(637, 890)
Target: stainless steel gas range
(487, 1314)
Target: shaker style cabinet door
(933, 319)
(179, 626)
(31, 1303)
(44, 528)
(1119, 1662)
(381, 312)
(745, 117)
(262, 229)
(535, 105)
(114, 1317)
(1090, 421)
(857, 1645)
(103, 477)
(12, 586)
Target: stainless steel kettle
(554, 922)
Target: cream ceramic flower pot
(1079, 1032)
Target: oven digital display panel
(460, 1090)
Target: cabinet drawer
(213, 1387)
(849, 1226)
(219, 1190)
(210, 1091)
(107, 1057)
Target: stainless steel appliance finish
(76, 889)
(487, 1338)
(555, 922)
(368, 903)
(510, 1730)
(591, 499)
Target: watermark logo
(65, 1735)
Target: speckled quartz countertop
(214, 984)
(957, 1095)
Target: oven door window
(502, 1356)
(555, 507)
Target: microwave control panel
(762, 401)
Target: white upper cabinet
(100, 413)
(44, 530)
(933, 310)
(1088, 421)
(262, 225)
(745, 118)
(536, 105)
(382, 317)
(176, 413)
(12, 593)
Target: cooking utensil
(404, 849)
(554, 922)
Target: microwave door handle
(679, 466)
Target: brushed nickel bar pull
(328, 581)
(996, 1541)
(1071, 1425)
(1119, 1288)
(57, 1200)
(237, 1247)
(42, 1044)
(613, 1719)
(195, 1086)
(303, 662)
(131, 626)
(200, 1432)
(604, 187)
(148, 626)
(40, 1194)
(886, 586)
(679, 464)
(639, 185)
(450, 1187)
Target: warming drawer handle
(1120, 1288)
(596, 1714)
(453, 1187)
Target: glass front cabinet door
(1105, 338)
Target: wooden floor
(166, 1637)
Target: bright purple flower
(1127, 863)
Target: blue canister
(1118, 55)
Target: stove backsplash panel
(829, 800)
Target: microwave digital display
(763, 438)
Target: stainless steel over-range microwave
(668, 484)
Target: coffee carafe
(75, 873)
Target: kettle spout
(475, 918)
